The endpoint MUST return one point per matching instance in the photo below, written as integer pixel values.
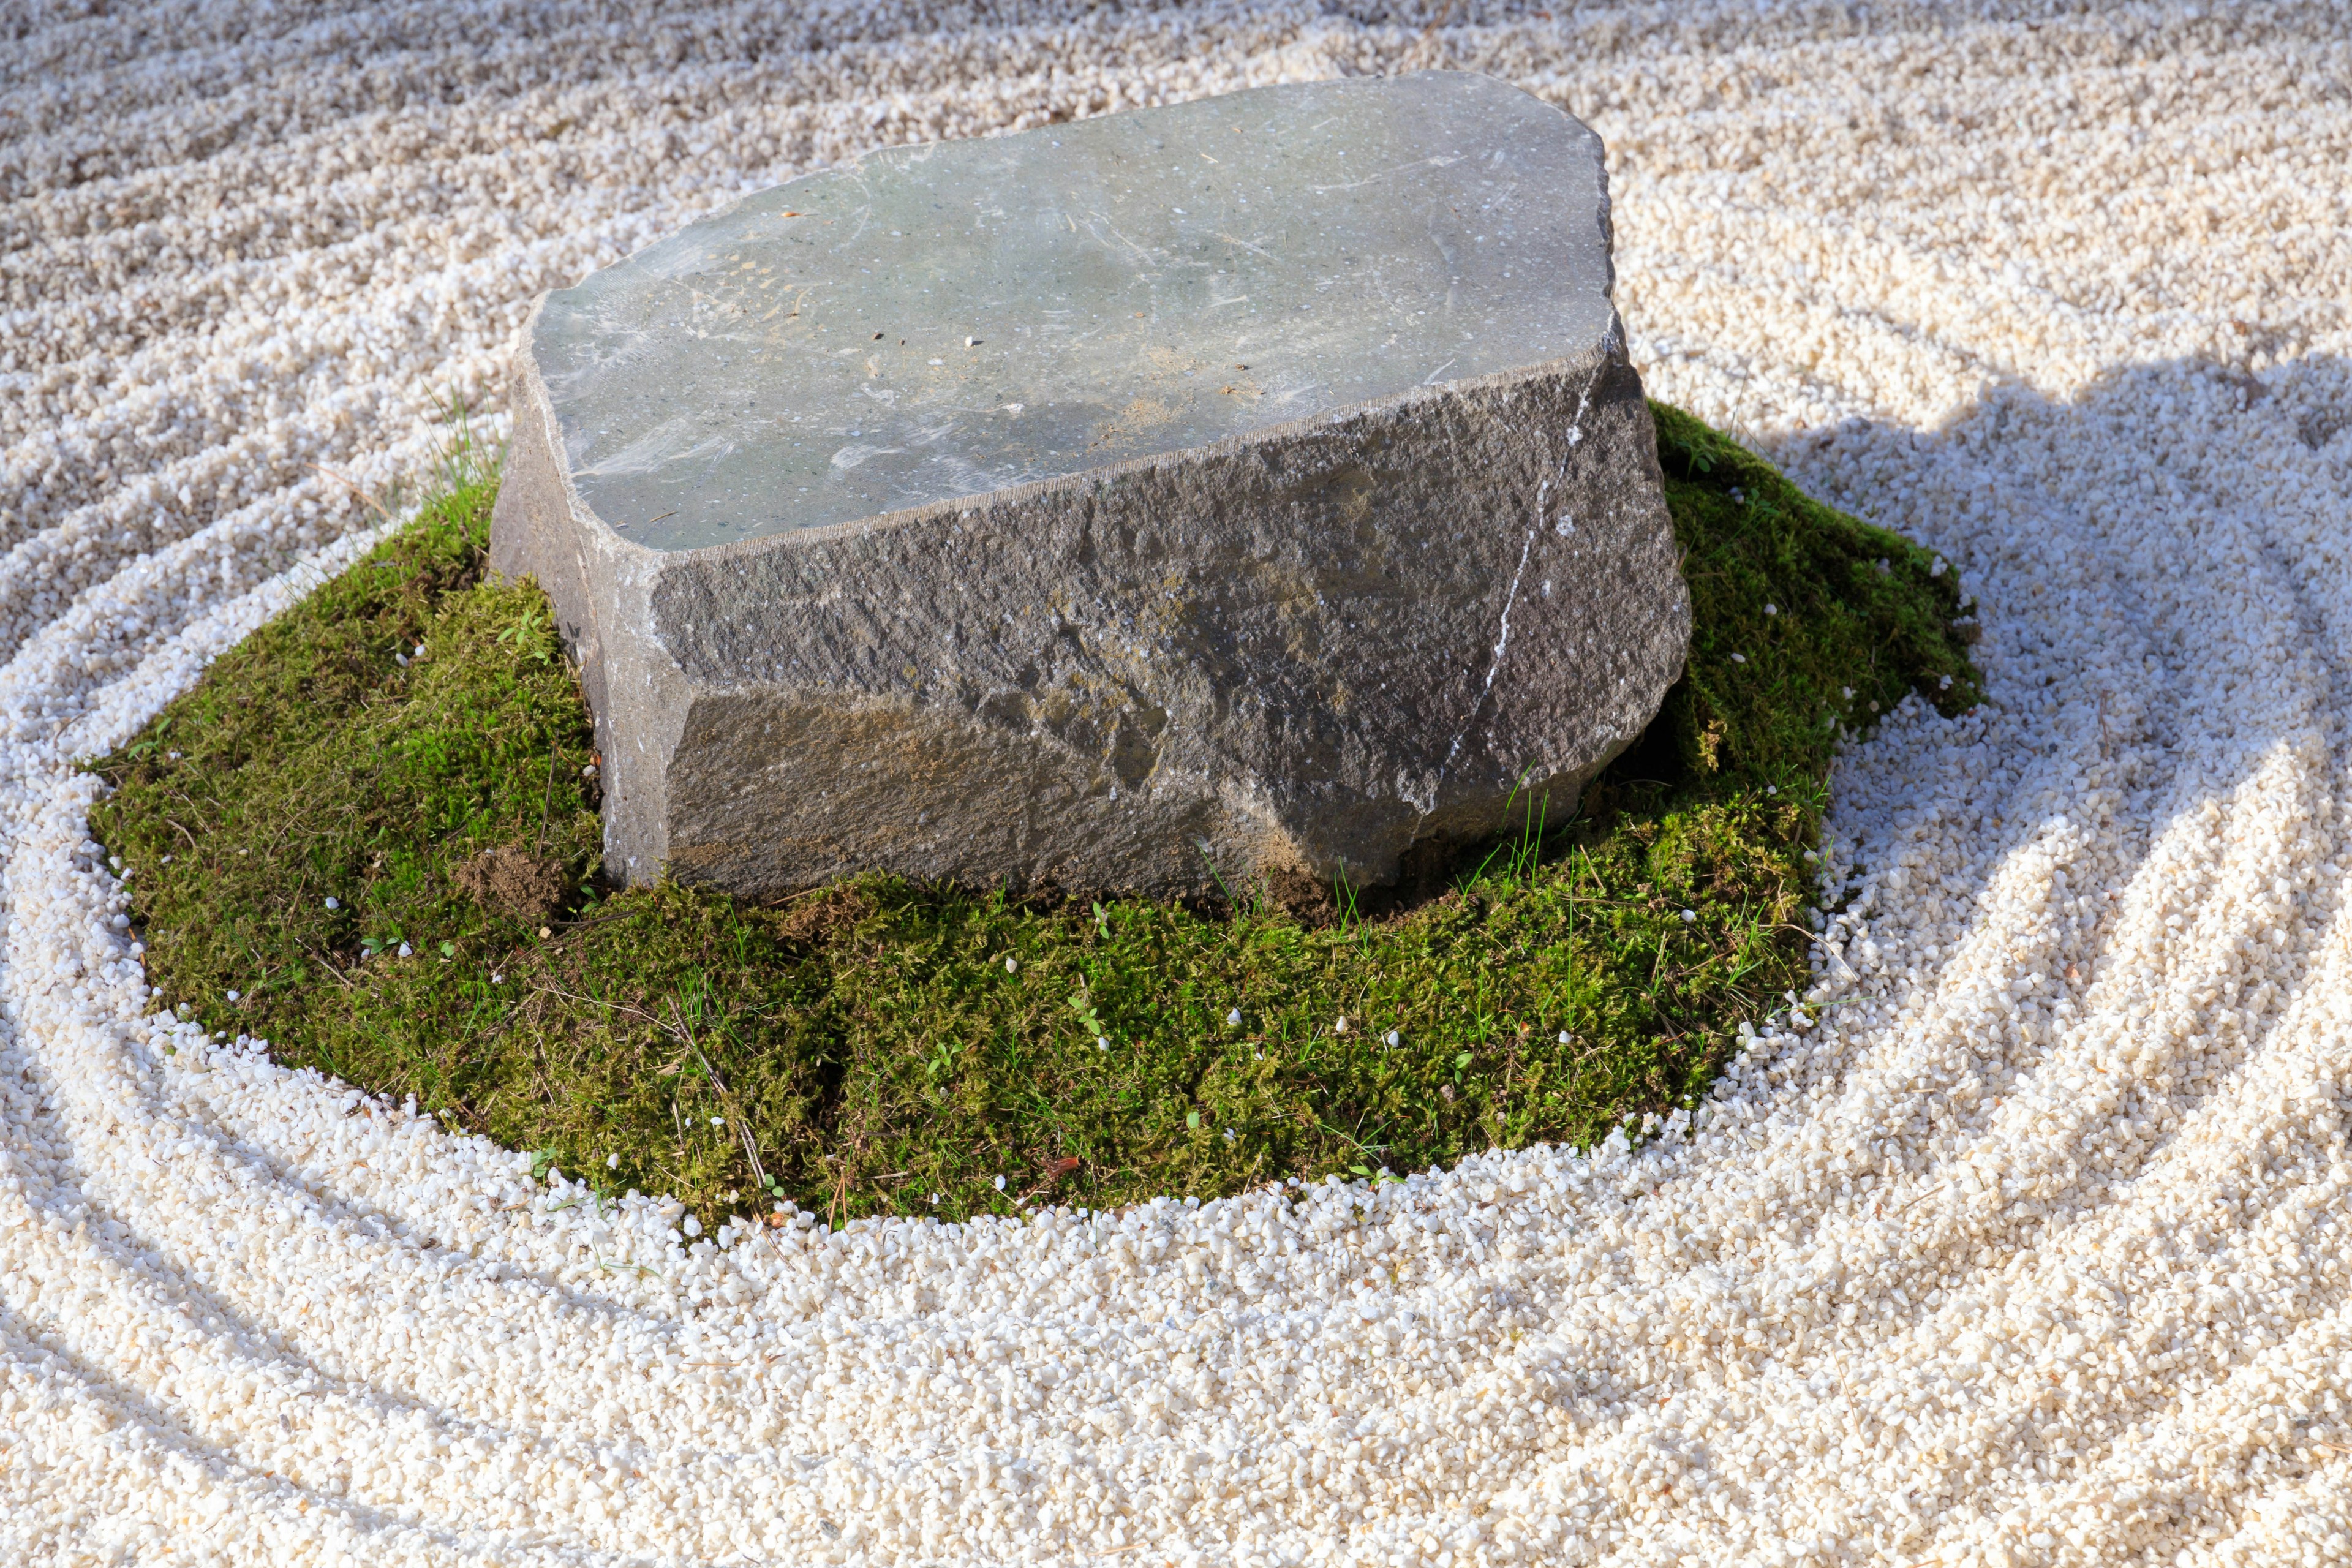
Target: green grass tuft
(860, 1049)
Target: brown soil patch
(815, 918)
(509, 880)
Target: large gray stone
(1255, 485)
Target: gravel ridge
(2024, 1238)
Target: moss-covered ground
(368, 835)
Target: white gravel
(2024, 1241)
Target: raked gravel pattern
(2026, 1240)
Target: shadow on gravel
(2128, 850)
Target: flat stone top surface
(940, 322)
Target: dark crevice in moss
(867, 1046)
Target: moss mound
(369, 835)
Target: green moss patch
(385, 861)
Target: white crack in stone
(1494, 659)
(1611, 345)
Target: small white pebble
(333, 902)
(1689, 915)
(1233, 1019)
(1011, 964)
(1000, 1183)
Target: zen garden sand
(2025, 1239)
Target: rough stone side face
(598, 588)
(1307, 650)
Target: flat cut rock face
(1255, 485)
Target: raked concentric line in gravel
(2027, 1240)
